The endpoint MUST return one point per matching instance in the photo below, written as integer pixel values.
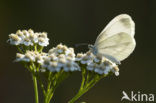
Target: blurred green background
(71, 22)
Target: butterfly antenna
(80, 44)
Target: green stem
(81, 90)
(35, 88)
(88, 77)
(41, 85)
(83, 78)
(76, 97)
(50, 87)
(51, 93)
(86, 85)
(35, 47)
(54, 85)
(40, 49)
(19, 49)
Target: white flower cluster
(98, 64)
(59, 58)
(31, 56)
(29, 38)
(62, 57)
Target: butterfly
(116, 41)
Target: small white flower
(46, 63)
(91, 66)
(53, 57)
(33, 37)
(19, 57)
(107, 70)
(20, 34)
(62, 62)
(25, 33)
(27, 42)
(60, 51)
(71, 55)
(86, 60)
(53, 51)
(61, 56)
(117, 73)
(14, 39)
(43, 41)
(67, 51)
(79, 57)
(59, 46)
(39, 59)
(99, 71)
(42, 35)
(115, 69)
(71, 66)
(29, 57)
(53, 67)
(30, 31)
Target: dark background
(71, 22)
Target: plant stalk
(35, 88)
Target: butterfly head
(93, 49)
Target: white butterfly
(116, 42)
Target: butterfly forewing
(121, 23)
(117, 39)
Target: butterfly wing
(119, 46)
(117, 39)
